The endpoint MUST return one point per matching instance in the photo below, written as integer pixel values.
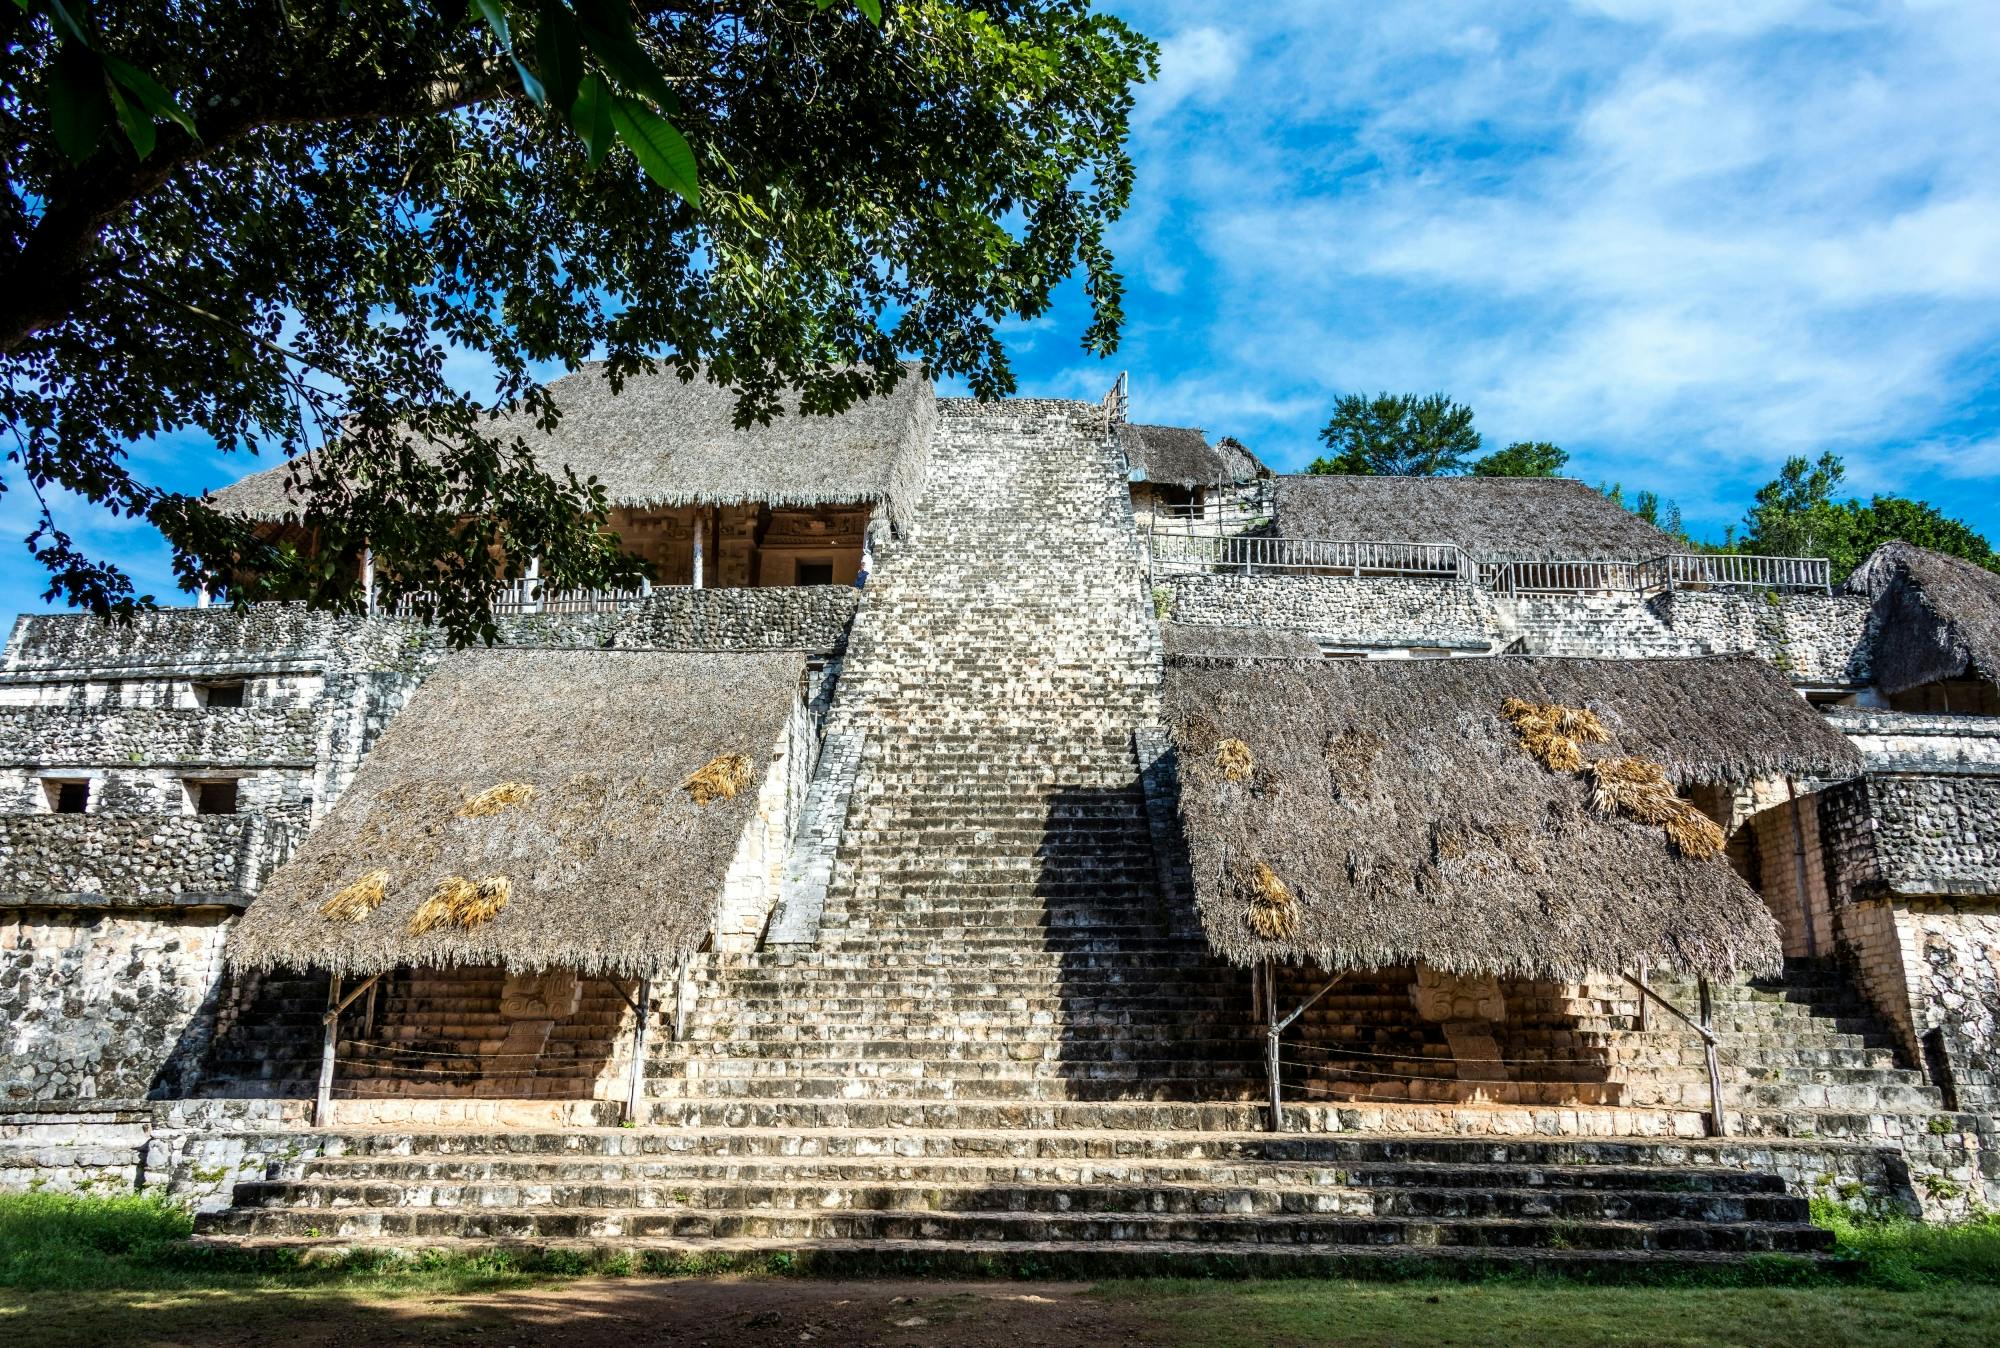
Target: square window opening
(68, 797)
(813, 573)
(212, 797)
(216, 696)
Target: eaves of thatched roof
(1180, 456)
(1401, 811)
(1936, 617)
(662, 441)
(1492, 518)
(614, 869)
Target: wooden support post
(1718, 1125)
(368, 576)
(700, 532)
(1271, 1066)
(1645, 1006)
(681, 1000)
(329, 1045)
(530, 601)
(201, 597)
(635, 1093)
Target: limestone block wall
(1931, 744)
(123, 860)
(1791, 866)
(755, 879)
(1816, 639)
(1367, 611)
(105, 1005)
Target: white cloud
(1194, 63)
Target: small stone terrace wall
(115, 860)
(1369, 610)
(1816, 639)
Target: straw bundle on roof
(1553, 733)
(496, 798)
(718, 779)
(1235, 760)
(1272, 911)
(1408, 826)
(359, 899)
(605, 867)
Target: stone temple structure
(1350, 867)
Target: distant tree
(1398, 435)
(1523, 458)
(1797, 515)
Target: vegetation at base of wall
(1901, 1253)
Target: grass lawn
(103, 1271)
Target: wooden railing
(519, 597)
(1173, 550)
(1703, 570)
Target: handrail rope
(442, 1053)
(1413, 1057)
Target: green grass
(1899, 1253)
(76, 1269)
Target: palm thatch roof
(1936, 617)
(661, 441)
(1244, 466)
(1237, 643)
(1409, 824)
(1492, 518)
(1180, 456)
(613, 868)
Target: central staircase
(1001, 1048)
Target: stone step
(1264, 1195)
(1288, 1229)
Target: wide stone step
(876, 1225)
(1209, 1196)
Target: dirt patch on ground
(622, 1313)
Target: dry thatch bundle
(718, 779)
(1235, 760)
(1639, 790)
(1554, 733)
(1455, 848)
(358, 900)
(606, 869)
(1272, 913)
(441, 909)
(497, 798)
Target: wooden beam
(635, 1090)
(329, 1044)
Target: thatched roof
(1239, 643)
(1493, 518)
(663, 442)
(614, 869)
(1936, 617)
(1403, 814)
(1244, 466)
(1180, 456)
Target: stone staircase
(999, 1045)
(1607, 627)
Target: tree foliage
(308, 209)
(1399, 435)
(1798, 514)
(1523, 458)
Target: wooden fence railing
(1172, 551)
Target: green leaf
(137, 124)
(495, 14)
(591, 116)
(607, 28)
(152, 97)
(663, 152)
(559, 52)
(66, 19)
(77, 102)
(872, 8)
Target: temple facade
(930, 794)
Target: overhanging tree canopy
(320, 204)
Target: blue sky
(1682, 240)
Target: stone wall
(1366, 611)
(1816, 639)
(105, 1005)
(1914, 835)
(69, 734)
(116, 860)
(1895, 741)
